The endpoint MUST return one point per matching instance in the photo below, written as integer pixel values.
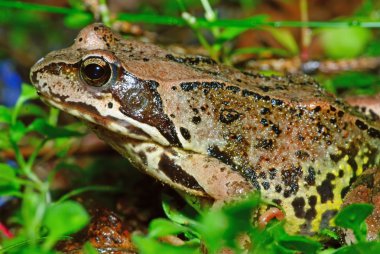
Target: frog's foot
(366, 189)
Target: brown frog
(211, 130)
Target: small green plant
(219, 229)
(42, 221)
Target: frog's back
(296, 143)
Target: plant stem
(210, 16)
(305, 31)
(85, 189)
(104, 12)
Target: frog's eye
(95, 71)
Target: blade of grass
(86, 189)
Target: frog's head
(109, 81)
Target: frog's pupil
(94, 71)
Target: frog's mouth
(90, 115)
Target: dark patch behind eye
(177, 174)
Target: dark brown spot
(311, 212)
(110, 104)
(265, 185)
(276, 129)
(266, 144)
(264, 88)
(234, 89)
(189, 86)
(300, 137)
(264, 111)
(177, 174)
(247, 93)
(317, 109)
(185, 133)
(325, 190)
(276, 102)
(215, 152)
(272, 173)
(310, 178)
(361, 125)
(228, 116)
(196, 119)
(302, 154)
(191, 60)
(373, 133)
(299, 207)
(264, 122)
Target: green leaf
(221, 227)
(347, 42)
(78, 20)
(77, 4)
(353, 217)
(152, 246)
(4, 140)
(65, 218)
(27, 92)
(32, 249)
(32, 210)
(329, 233)
(355, 79)
(5, 115)
(360, 248)
(230, 33)
(17, 131)
(285, 38)
(213, 229)
(176, 215)
(8, 180)
(62, 146)
(300, 244)
(32, 110)
(51, 132)
(266, 241)
(162, 227)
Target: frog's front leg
(366, 189)
(194, 173)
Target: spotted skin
(214, 131)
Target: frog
(210, 130)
